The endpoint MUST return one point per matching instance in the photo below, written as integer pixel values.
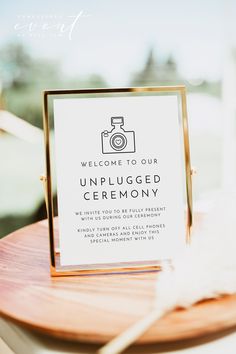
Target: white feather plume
(205, 270)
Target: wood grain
(91, 308)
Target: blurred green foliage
(165, 73)
(24, 78)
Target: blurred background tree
(156, 72)
(23, 78)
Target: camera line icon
(118, 140)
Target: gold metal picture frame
(55, 267)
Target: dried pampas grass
(205, 270)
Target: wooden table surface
(91, 308)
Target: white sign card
(120, 179)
